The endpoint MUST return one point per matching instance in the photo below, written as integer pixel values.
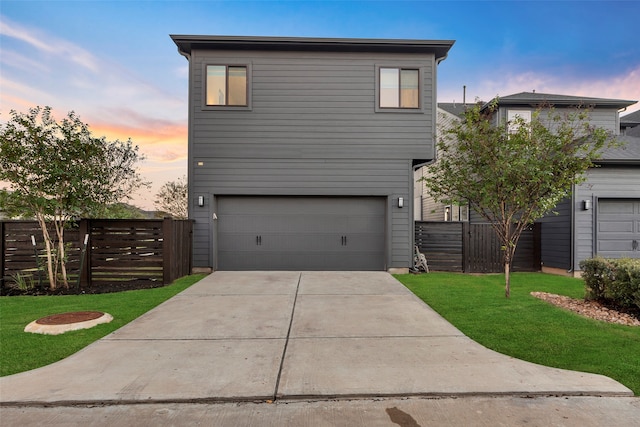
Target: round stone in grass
(60, 323)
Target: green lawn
(528, 328)
(21, 351)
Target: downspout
(435, 142)
(573, 229)
(190, 172)
(185, 54)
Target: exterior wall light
(201, 201)
(586, 205)
(400, 202)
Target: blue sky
(114, 64)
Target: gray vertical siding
(608, 181)
(311, 129)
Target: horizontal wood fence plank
(448, 248)
(118, 250)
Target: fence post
(466, 261)
(537, 244)
(84, 228)
(189, 246)
(2, 243)
(167, 252)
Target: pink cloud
(625, 85)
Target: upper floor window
(227, 85)
(399, 88)
(517, 117)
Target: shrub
(616, 281)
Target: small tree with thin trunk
(513, 173)
(57, 170)
(172, 198)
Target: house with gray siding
(630, 124)
(302, 150)
(602, 215)
(425, 207)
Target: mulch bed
(592, 309)
(72, 317)
(102, 288)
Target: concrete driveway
(262, 336)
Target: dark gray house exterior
(302, 150)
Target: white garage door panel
(289, 233)
(618, 228)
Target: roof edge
(537, 99)
(186, 43)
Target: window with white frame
(512, 119)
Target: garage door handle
(259, 240)
(344, 240)
(635, 245)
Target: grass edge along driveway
(21, 351)
(528, 328)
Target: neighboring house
(602, 217)
(425, 207)
(630, 124)
(302, 150)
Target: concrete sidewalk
(247, 336)
(264, 336)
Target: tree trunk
(62, 253)
(507, 279)
(47, 244)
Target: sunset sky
(113, 63)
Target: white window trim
(512, 114)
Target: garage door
(618, 231)
(301, 233)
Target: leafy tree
(513, 173)
(121, 211)
(172, 198)
(58, 170)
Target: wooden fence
(473, 248)
(117, 251)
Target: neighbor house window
(399, 88)
(227, 85)
(456, 213)
(512, 116)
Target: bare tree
(172, 198)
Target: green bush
(616, 281)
